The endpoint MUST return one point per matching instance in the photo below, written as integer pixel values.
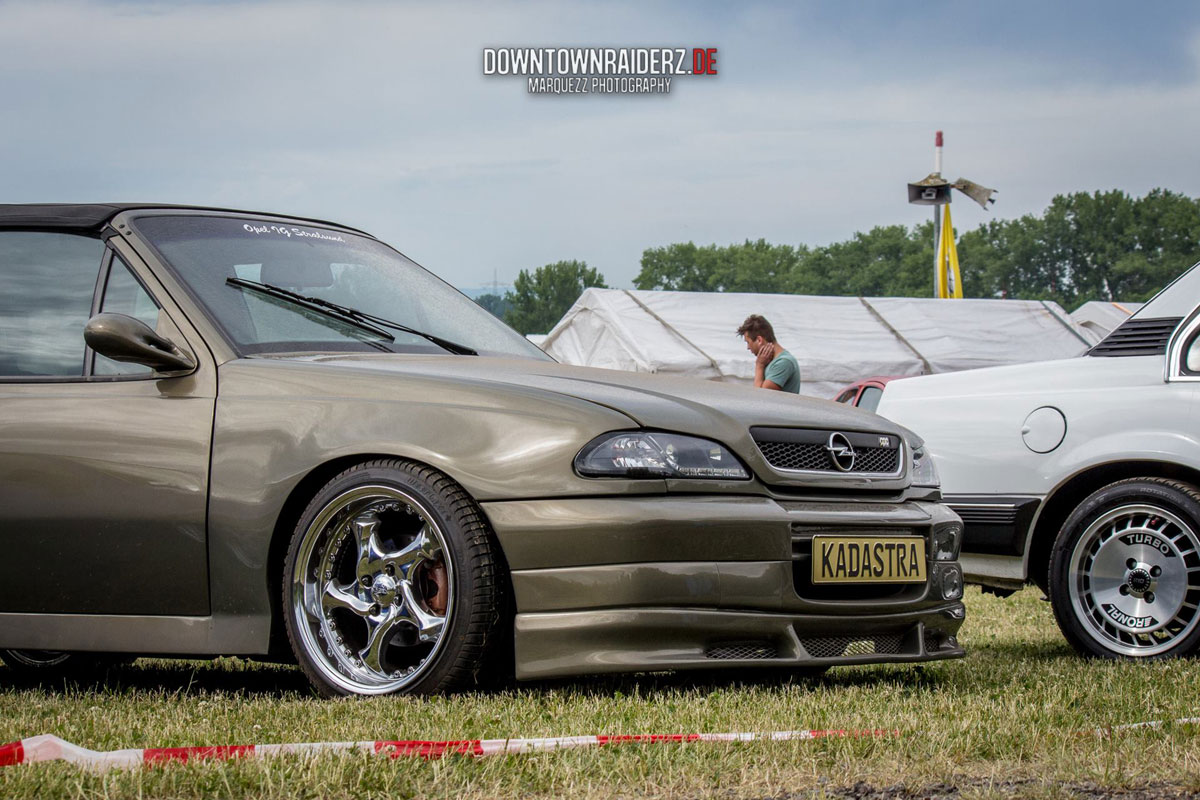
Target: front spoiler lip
(634, 584)
(559, 644)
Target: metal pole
(937, 218)
(937, 240)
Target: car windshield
(326, 263)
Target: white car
(1082, 476)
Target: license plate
(867, 559)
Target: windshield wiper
(311, 303)
(368, 322)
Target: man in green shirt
(774, 367)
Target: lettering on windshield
(280, 230)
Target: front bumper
(653, 583)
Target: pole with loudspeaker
(934, 190)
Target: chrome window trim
(1173, 364)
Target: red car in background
(866, 393)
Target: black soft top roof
(93, 216)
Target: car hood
(667, 403)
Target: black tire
(53, 663)
(1124, 579)
(393, 584)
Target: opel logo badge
(841, 452)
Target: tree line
(1097, 246)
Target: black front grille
(1138, 337)
(798, 456)
(843, 646)
(877, 459)
(808, 450)
(790, 455)
(742, 651)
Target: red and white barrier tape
(51, 748)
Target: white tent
(1099, 317)
(837, 340)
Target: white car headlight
(644, 454)
(925, 472)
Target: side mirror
(124, 338)
(1191, 361)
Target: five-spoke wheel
(1125, 571)
(390, 570)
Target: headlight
(947, 539)
(657, 455)
(924, 472)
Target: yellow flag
(949, 281)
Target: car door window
(870, 398)
(1191, 362)
(123, 294)
(47, 281)
(846, 396)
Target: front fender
(277, 422)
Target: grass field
(1004, 722)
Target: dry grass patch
(1005, 722)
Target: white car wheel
(1125, 571)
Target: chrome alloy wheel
(372, 590)
(1135, 580)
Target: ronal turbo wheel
(1125, 571)
(391, 584)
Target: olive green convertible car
(235, 433)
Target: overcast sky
(378, 115)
